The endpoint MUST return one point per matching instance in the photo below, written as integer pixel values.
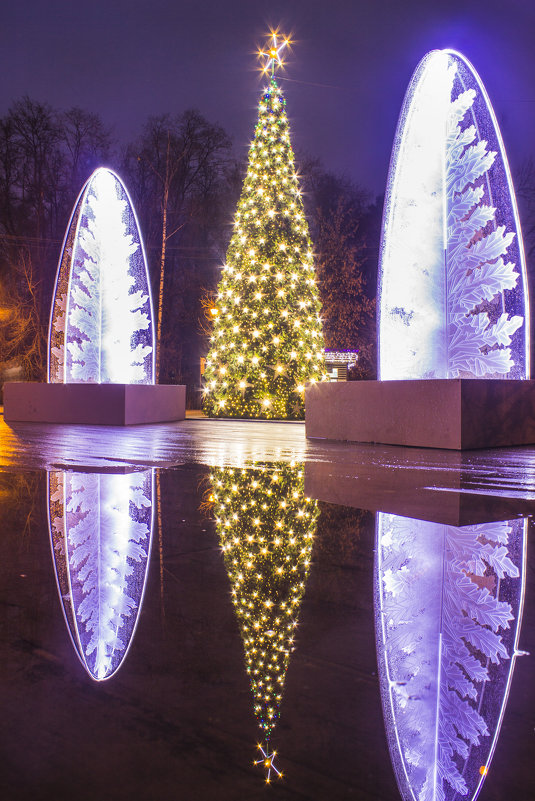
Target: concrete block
(457, 413)
(94, 404)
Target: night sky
(344, 82)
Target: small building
(338, 362)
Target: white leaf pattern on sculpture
(441, 625)
(476, 271)
(106, 312)
(107, 552)
(451, 246)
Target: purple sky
(347, 74)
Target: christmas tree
(267, 341)
(266, 528)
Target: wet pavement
(146, 570)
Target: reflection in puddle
(101, 529)
(266, 529)
(448, 612)
(181, 709)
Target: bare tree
(38, 162)
(175, 169)
(22, 335)
(86, 144)
(9, 169)
(44, 157)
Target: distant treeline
(185, 182)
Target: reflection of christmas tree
(267, 340)
(266, 528)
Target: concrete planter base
(94, 404)
(455, 413)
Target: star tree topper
(272, 54)
(267, 760)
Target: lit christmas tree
(267, 341)
(266, 529)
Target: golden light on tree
(271, 57)
(268, 308)
(266, 527)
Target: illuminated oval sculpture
(101, 531)
(101, 324)
(448, 605)
(452, 274)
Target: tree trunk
(165, 200)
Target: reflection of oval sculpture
(101, 530)
(448, 612)
(453, 295)
(101, 328)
